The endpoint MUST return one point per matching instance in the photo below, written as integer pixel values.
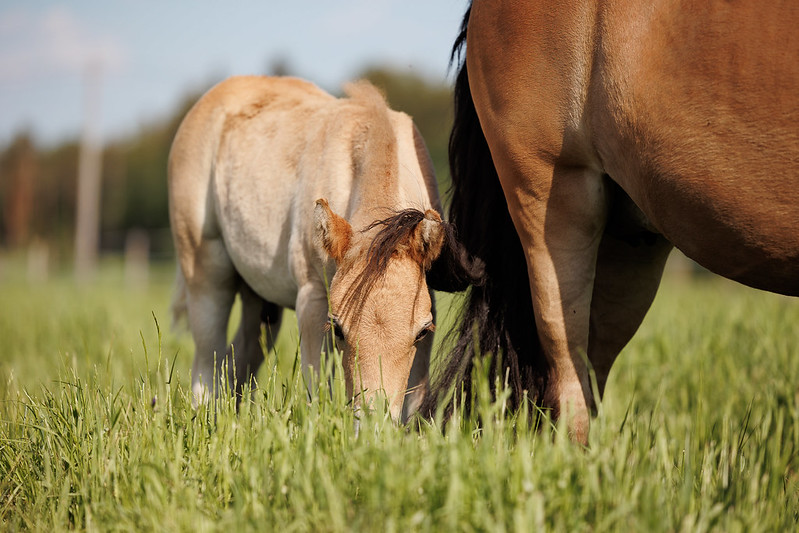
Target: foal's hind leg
(211, 289)
(247, 352)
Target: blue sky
(152, 53)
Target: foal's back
(246, 166)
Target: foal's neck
(376, 192)
(388, 176)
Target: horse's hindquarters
(693, 112)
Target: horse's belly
(741, 229)
(255, 217)
(722, 186)
(262, 260)
(272, 282)
(694, 112)
(726, 201)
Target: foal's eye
(422, 334)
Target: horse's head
(380, 306)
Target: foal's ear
(428, 238)
(334, 233)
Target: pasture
(699, 429)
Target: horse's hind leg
(559, 212)
(247, 352)
(561, 236)
(627, 277)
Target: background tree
(18, 174)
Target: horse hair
(454, 270)
(497, 317)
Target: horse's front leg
(559, 212)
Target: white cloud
(33, 45)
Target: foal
(276, 187)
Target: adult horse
(617, 129)
(257, 172)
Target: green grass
(699, 430)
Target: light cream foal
(258, 170)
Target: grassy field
(699, 430)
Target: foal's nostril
(335, 325)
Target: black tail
(498, 314)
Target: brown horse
(590, 138)
(258, 171)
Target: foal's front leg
(246, 347)
(312, 309)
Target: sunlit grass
(699, 430)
